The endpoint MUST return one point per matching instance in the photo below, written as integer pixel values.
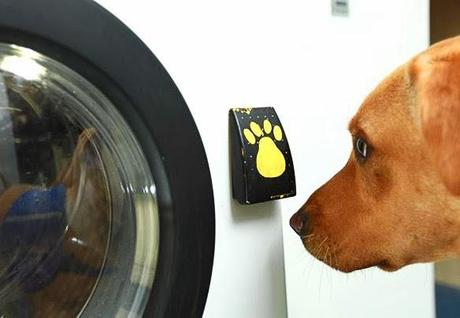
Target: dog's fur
(401, 205)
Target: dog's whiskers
(335, 257)
(325, 255)
(320, 246)
(307, 236)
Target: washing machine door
(106, 205)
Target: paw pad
(270, 161)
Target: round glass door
(78, 215)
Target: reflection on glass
(78, 219)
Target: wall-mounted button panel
(262, 168)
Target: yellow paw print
(270, 161)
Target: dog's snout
(299, 222)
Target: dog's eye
(361, 148)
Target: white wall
(315, 69)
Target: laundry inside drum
(78, 218)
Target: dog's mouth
(323, 249)
(327, 251)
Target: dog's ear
(436, 78)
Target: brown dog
(397, 200)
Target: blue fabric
(37, 217)
(31, 237)
(39, 201)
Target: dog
(53, 239)
(397, 200)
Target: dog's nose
(298, 222)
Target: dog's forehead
(388, 105)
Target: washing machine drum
(106, 204)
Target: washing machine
(106, 201)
